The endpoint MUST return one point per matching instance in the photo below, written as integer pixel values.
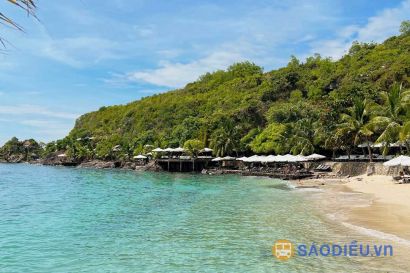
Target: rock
(150, 166)
(129, 165)
(98, 164)
(16, 159)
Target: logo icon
(283, 250)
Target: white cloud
(79, 51)
(179, 74)
(377, 29)
(26, 109)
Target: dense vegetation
(316, 105)
(17, 151)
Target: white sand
(384, 189)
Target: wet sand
(376, 206)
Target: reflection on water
(76, 220)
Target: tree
(302, 137)
(390, 122)
(405, 27)
(13, 146)
(194, 146)
(272, 139)
(356, 123)
(404, 135)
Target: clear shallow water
(77, 220)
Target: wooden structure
(183, 164)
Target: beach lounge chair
(323, 168)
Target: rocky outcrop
(128, 165)
(98, 164)
(150, 166)
(17, 158)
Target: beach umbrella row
(178, 150)
(140, 157)
(381, 144)
(226, 158)
(282, 158)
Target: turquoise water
(77, 220)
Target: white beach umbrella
(299, 158)
(365, 144)
(228, 158)
(398, 144)
(254, 158)
(380, 145)
(271, 158)
(288, 158)
(280, 158)
(244, 158)
(217, 159)
(170, 150)
(179, 150)
(157, 150)
(206, 150)
(62, 155)
(315, 157)
(398, 161)
(140, 157)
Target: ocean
(59, 219)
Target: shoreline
(373, 205)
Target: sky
(83, 54)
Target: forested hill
(302, 107)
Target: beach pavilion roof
(254, 158)
(140, 157)
(313, 157)
(398, 161)
(292, 158)
(274, 158)
(300, 158)
(379, 145)
(382, 144)
(179, 150)
(364, 144)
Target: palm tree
(404, 135)
(355, 123)
(303, 134)
(390, 121)
(225, 141)
(28, 5)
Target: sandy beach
(376, 203)
(389, 210)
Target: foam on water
(377, 234)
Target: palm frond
(27, 5)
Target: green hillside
(299, 108)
